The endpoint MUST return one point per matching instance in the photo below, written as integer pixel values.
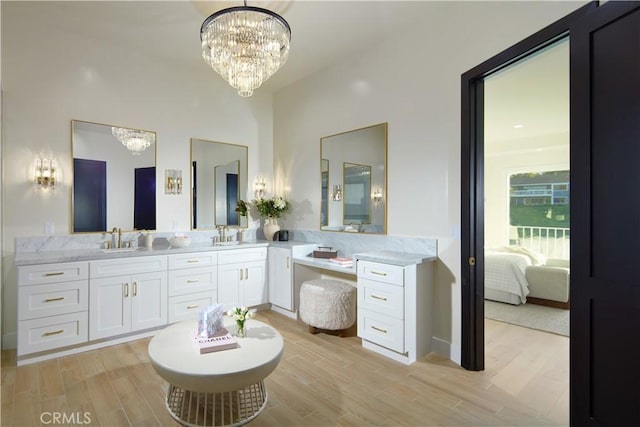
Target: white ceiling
(529, 99)
(323, 32)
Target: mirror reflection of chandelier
(135, 140)
(245, 45)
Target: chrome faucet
(113, 237)
(222, 232)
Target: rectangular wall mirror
(218, 181)
(353, 180)
(114, 178)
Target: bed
(504, 278)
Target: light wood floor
(322, 380)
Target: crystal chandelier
(135, 140)
(245, 45)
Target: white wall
(412, 82)
(51, 77)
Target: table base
(229, 408)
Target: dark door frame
(472, 182)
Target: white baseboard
(290, 314)
(81, 348)
(10, 341)
(441, 347)
(446, 349)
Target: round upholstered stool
(327, 304)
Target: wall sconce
(173, 181)
(377, 195)
(44, 174)
(337, 193)
(259, 187)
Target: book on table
(222, 340)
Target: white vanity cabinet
(193, 284)
(242, 277)
(127, 295)
(281, 280)
(281, 277)
(394, 308)
(52, 306)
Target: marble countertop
(47, 257)
(324, 264)
(395, 258)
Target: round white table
(223, 388)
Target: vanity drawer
(52, 299)
(380, 329)
(386, 273)
(381, 298)
(233, 256)
(121, 266)
(52, 273)
(192, 280)
(186, 307)
(52, 332)
(199, 259)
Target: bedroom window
(539, 215)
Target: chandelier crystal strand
(135, 140)
(245, 45)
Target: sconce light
(259, 187)
(337, 193)
(44, 174)
(377, 195)
(173, 181)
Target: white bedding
(505, 272)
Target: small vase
(241, 332)
(270, 228)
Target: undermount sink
(230, 243)
(116, 250)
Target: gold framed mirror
(218, 181)
(114, 178)
(353, 168)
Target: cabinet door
(228, 285)
(280, 278)
(253, 289)
(148, 300)
(109, 306)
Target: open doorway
(526, 191)
(527, 228)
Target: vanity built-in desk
(62, 295)
(395, 292)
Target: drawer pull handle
(241, 274)
(377, 297)
(246, 273)
(57, 273)
(59, 331)
(126, 290)
(287, 262)
(384, 331)
(54, 299)
(135, 289)
(378, 273)
(191, 261)
(191, 307)
(193, 280)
